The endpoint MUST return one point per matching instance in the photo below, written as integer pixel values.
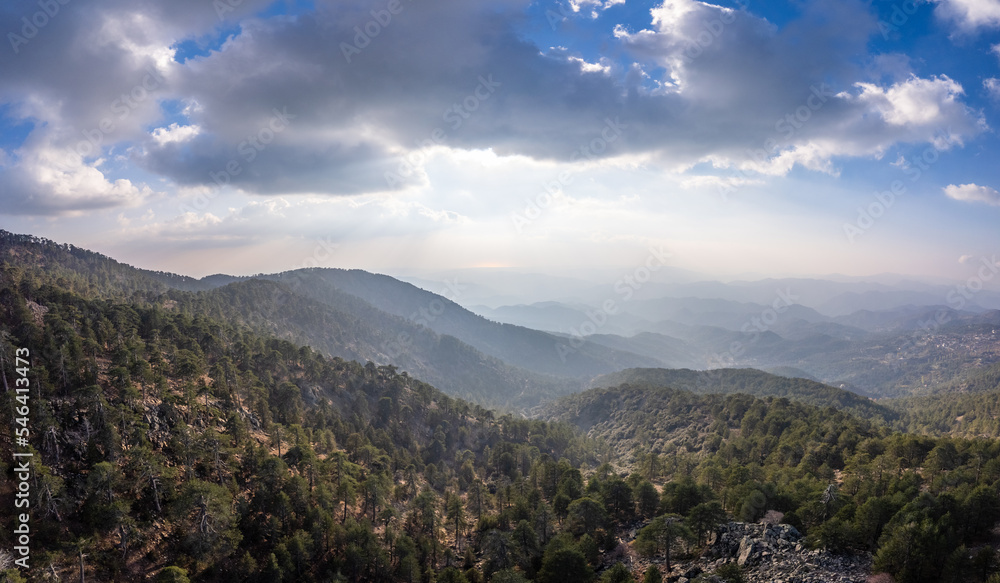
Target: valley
(338, 425)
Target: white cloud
(965, 259)
(973, 193)
(703, 84)
(576, 5)
(591, 67)
(969, 15)
(175, 133)
(48, 179)
(916, 101)
(992, 86)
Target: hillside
(339, 324)
(358, 331)
(849, 484)
(751, 382)
(168, 440)
(194, 434)
(525, 348)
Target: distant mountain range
(520, 355)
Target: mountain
(358, 331)
(716, 312)
(171, 445)
(751, 382)
(671, 351)
(343, 325)
(533, 350)
(853, 485)
(183, 430)
(558, 317)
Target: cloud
(175, 133)
(576, 5)
(49, 180)
(702, 83)
(914, 102)
(965, 259)
(992, 86)
(969, 15)
(270, 219)
(973, 193)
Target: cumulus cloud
(49, 180)
(332, 102)
(973, 193)
(969, 15)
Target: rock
(775, 554)
(746, 552)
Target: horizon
(561, 288)
(776, 140)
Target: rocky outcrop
(765, 553)
(776, 554)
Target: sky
(244, 136)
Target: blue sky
(777, 138)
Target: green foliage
(652, 575)
(617, 574)
(173, 575)
(731, 572)
(160, 409)
(704, 518)
(12, 576)
(451, 575)
(750, 382)
(665, 536)
(508, 576)
(847, 483)
(564, 563)
(586, 515)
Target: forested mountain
(209, 435)
(751, 382)
(900, 352)
(533, 350)
(356, 330)
(165, 441)
(925, 507)
(338, 323)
